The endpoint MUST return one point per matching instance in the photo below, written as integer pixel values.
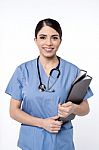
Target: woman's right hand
(52, 124)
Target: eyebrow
(51, 35)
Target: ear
(35, 40)
(60, 41)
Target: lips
(48, 49)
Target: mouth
(48, 49)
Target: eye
(42, 37)
(55, 37)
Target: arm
(68, 108)
(49, 124)
(82, 109)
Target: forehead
(48, 30)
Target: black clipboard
(77, 92)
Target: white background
(79, 20)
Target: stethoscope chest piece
(42, 88)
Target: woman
(39, 89)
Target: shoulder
(26, 65)
(25, 68)
(69, 68)
(68, 64)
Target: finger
(55, 126)
(67, 104)
(63, 114)
(55, 129)
(59, 104)
(62, 109)
(57, 123)
(55, 117)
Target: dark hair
(51, 23)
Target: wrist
(41, 123)
(38, 122)
(76, 108)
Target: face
(48, 41)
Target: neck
(48, 61)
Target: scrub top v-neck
(23, 86)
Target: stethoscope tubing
(41, 86)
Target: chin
(50, 55)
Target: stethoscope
(42, 86)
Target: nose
(48, 41)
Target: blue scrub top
(23, 86)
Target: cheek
(39, 43)
(57, 45)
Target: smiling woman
(40, 87)
(48, 39)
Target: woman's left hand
(65, 109)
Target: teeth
(48, 49)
